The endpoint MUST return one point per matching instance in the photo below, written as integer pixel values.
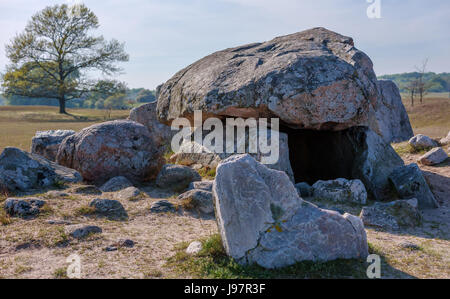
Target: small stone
(201, 185)
(126, 243)
(110, 248)
(304, 189)
(445, 140)
(176, 177)
(111, 209)
(194, 248)
(23, 207)
(409, 245)
(82, 231)
(115, 184)
(197, 199)
(129, 193)
(56, 194)
(420, 142)
(59, 222)
(162, 206)
(433, 157)
(87, 190)
(341, 190)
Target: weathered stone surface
(162, 206)
(445, 140)
(409, 182)
(313, 79)
(23, 207)
(57, 194)
(341, 190)
(200, 200)
(435, 156)
(392, 119)
(80, 231)
(86, 190)
(194, 248)
(392, 215)
(111, 209)
(130, 193)
(115, 184)
(422, 142)
(262, 219)
(115, 148)
(202, 185)
(20, 170)
(46, 143)
(304, 189)
(191, 153)
(176, 177)
(146, 115)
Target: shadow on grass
(212, 262)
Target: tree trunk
(412, 98)
(62, 106)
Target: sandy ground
(36, 249)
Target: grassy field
(18, 124)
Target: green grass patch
(405, 148)
(213, 262)
(207, 173)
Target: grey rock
(82, 231)
(176, 177)
(445, 140)
(314, 79)
(23, 207)
(408, 182)
(420, 142)
(392, 215)
(392, 119)
(304, 189)
(111, 209)
(57, 194)
(262, 219)
(202, 185)
(194, 248)
(129, 193)
(146, 115)
(409, 245)
(20, 170)
(86, 190)
(111, 249)
(115, 184)
(116, 148)
(162, 206)
(59, 222)
(341, 190)
(435, 156)
(46, 143)
(125, 243)
(197, 199)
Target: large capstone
(116, 148)
(314, 79)
(262, 219)
(23, 171)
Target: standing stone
(46, 143)
(146, 115)
(435, 156)
(20, 170)
(421, 142)
(115, 148)
(409, 182)
(392, 119)
(262, 219)
(341, 190)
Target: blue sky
(163, 36)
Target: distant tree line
(437, 82)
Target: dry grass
(430, 118)
(18, 124)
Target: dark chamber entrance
(322, 155)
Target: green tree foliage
(145, 96)
(436, 82)
(53, 55)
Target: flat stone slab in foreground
(262, 219)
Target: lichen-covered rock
(46, 143)
(162, 206)
(304, 189)
(194, 248)
(130, 193)
(262, 219)
(201, 185)
(435, 156)
(176, 177)
(199, 200)
(146, 115)
(392, 215)
(115, 184)
(116, 148)
(23, 207)
(421, 142)
(341, 190)
(80, 231)
(23, 171)
(111, 209)
(409, 182)
(314, 79)
(392, 119)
